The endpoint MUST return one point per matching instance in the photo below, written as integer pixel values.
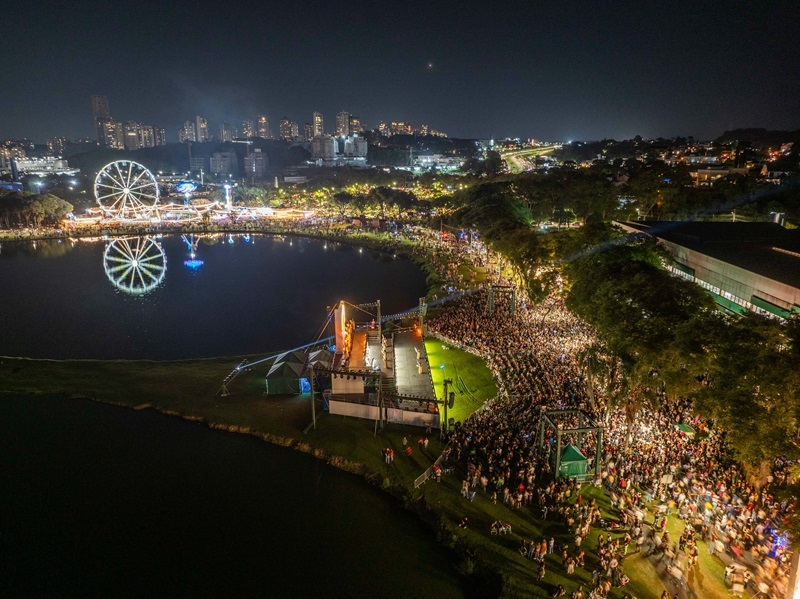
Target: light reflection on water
(252, 294)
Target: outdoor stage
(407, 346)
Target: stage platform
(408, 379)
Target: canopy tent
(284, 379)
(292, 357)
(573, 462)
(290, 371)
(321, 358)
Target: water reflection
(135, 265)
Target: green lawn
(472, 380)
(189, 388)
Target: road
(522, 160)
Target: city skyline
(565, 71)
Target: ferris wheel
(135, 265)
(126, 190)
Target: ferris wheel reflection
(135, 265)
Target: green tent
(687, 430)
(573, 462)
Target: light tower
(228, 202)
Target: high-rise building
(160, 136)
(318, 125)
(401, 128)
(323, 147)
(224, 163)
(201, 129)
(289, 130)
(56, 145)
(255, 164)
(226, 132)
(147, 136)
(355, 125)
(132, 135)
(262, 124)
(383, 128)
(187, 132)
(111, 133)
(248, 130)
(100, 107)
(343, 123)
(99, 113)
(308, 131)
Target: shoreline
(408, 498)
(473, 571)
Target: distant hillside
(759, 135)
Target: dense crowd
(647, 464)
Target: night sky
(550, 70)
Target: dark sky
(549, 70)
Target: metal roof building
(745, 266)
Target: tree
(753, 391)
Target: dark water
(99, 501)
(252, 294)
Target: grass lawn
(190, 389)
(472, 380)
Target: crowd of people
(650, 468)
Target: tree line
(31, 209)
(660, 337)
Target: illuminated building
(339, 151)
(743, 266)
(343, 123)
(201, 129)
(226, 132)
(112, 134)
(263, 127)
(323, 147)
(187, 132)
(355, 125)
(247, 129)
(56, 145)
(308, 131)
(160, 136)
(318, 125)
(131, 137)
(401, 128)
(288, 129)
(49, 165)
(147, 136)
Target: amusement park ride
(128, 193)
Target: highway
(522, 160)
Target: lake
(186, 297)
(99, 501)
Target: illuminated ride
(135, 265)
(194, 210)
(193, 262)
(126, 191)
